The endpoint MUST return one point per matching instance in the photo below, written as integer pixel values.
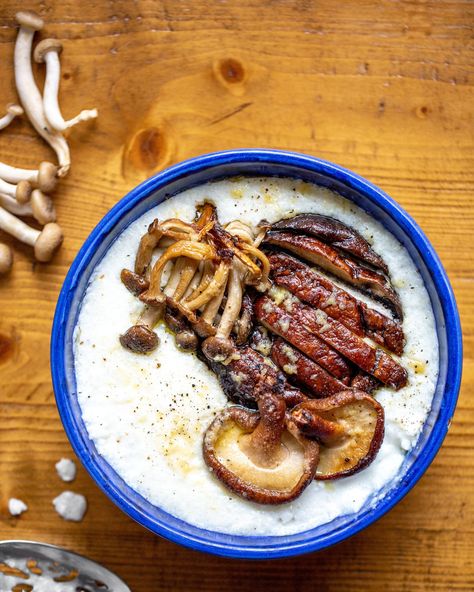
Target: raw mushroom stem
(28, 92)
(45, 241)
(44, 177)
(12, 112)
(40, 207)
(47, 51)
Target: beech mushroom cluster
(197, 283)
(24, 192)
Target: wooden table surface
(382, 87)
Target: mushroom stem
(28, 92)
(12, 112)
(6, 258)
(140, 337)
(48, 51)
(45, 241)
(189, 269)
(263, 446)
(21, 192)
(212, 307)
(44, 177)
(191, 249)
(218, 281)
(155, 232)
(234, 301)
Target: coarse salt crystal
(66, 469)
(16, 506)
(70, 506)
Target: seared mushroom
(315, 289)
(45, 177)
(186, 339)
(45, 242)
(21, 192)
(47, 51)
(243, 325)
(374, 282)
(182, 248)
(136, 284)
(318, 324)
(28, 92)
(39, 207)
(12, 112)
(304, 371)
(156, 231)
(247, 372)
(140, 338)
(6, 258)
(260, 456)
(220, 346)
(335, 233)
(349, 427)
(277, 320)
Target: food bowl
(261, 163)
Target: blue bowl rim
(313, 165)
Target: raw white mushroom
(40, 207)
(47, 51)
(6, 258)
(66, 469)
(45, 242)
(12, 112)
(45, 176)
(70, 506)
(28, 92)
(16, 506)
(21, 191)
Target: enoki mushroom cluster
(295, 358)
(24, 192)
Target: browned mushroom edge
(349, 427)
(260, 455)
(139, 339)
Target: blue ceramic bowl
(257, 162)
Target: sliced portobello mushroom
(335, 233)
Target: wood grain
(384, 87)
